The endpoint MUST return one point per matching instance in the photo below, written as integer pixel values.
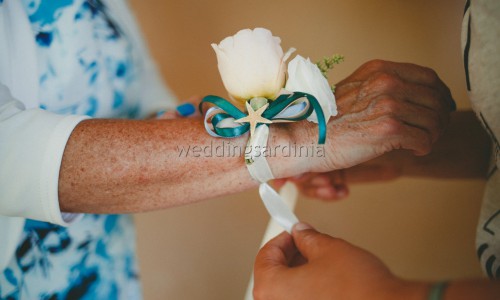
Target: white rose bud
(304, 76)
(252, 64)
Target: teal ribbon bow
(276, 107)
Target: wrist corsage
(264, 89)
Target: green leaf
(328, 62)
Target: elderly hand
(382, 106)
(334, 185)
(312, 265)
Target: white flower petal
(251, 64)
(304, 76)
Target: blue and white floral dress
(85, 67)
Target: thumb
(309, 241)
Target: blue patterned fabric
(85, 67)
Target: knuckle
(386, 81)
(389, 125)
(375, 64)
(430, 74)
(316, 240)
(309, 240)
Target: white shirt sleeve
(32, 143)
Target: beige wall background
(423, 229)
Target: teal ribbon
(275, 107)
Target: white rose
(252, 64)
(304, 76)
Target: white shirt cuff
(33, 143)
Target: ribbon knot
(221, 120)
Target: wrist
(312, 156)
(289, 152)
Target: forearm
(473, 289)
(455, 290)
(462, 152)
(119, 166)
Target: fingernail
(160, 113)
(302, 226)
(186, 109)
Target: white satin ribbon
(255, 155)
(289, 193)
(256, 162)
(277, 207)
(259, 169)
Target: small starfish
(254, 117)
